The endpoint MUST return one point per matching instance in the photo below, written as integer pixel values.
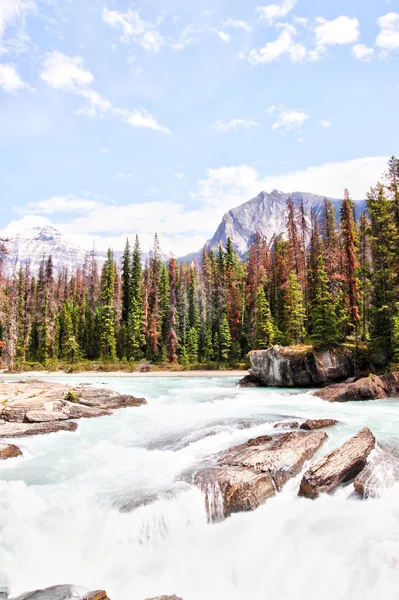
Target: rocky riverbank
(373, 387)
(302, 366)
(39, 407)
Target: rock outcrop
(311, 424)
(380, 473)
(63, 592)
(299, 366)
(37, 407)
(247, 475)
(373, 387)
(9, 451)
(341, 465)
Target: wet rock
(311, 424)
(287, 425)
(341, 465)
(55, 592)
(81, 411)
(259, 441)
(98, 595)
(250, 473)
(299, 366)
(373, 387)
(45, 416)
(166, 598)
(144, 368)
(9, 451)
(18, 430)
(380, 473)
(109, 400)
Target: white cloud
(10, 80)
(271, 12)
(235, 124)
(340, 31)
(362, 52)
(103, 150)
(326, 123)
(286, 118)
(130, 22)
(152, 41)
(225, 37)
(180, 175)
(388, 38)
(125, 175)
(13, 13)
(237, 24)
(61, 204)
(284, 44)
(141, 118)
(68, 74)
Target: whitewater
(111, 506)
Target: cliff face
(301, 366)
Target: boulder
(247, 475)
(81, 411)
(311, 424)
(109, 400)
(98, 595)
(299, 366)
(373, 387)
(340, 465)
(9, 451)
(45, 416)
(287, 425)
(380, 473)
(18, 430)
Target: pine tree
(172, 341)
(350, 262)
(294, 311)
(224, 338)
(322, 311)
(192, 345)
(106, 314)
(264, 327)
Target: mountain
(265, 214)
(32, 245)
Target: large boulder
(247, 475)
(18, 430)
(299, 366)
(373, 387)
(9, 451)
(45, 416)
(311, 424)
(341, 465)
(380, 473)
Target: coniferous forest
(331, 279)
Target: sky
(121, 117)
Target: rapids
(111, 506)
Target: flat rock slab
(17, 430)
(311, 424)
(368, 388)
(249, 474)
(341, 465)
(45, 416)
(81, 411)
(380, 473)
(287, 425)
(9, 451)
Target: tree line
(331, 278)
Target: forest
(331, 279)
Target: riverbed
(111, 506)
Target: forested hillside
(327, 282)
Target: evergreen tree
(322, 310)
(264, 326)
(106, 314)
(192, 345)
(224, 338)
(294, 311)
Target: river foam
(112, 506)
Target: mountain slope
(265, 214)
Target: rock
(9, 451)
(286, 425)
(258, 441)
(143, 368)
(317, 424)
(373, 387)
(63, 592)
(250, 473)
(166, 598)
(109, 400)
(45, 416)
(24, 429)
(299, 366)
(81, 411)
(380, 473)
(339, 466)
(248, 382)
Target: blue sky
(120, 117)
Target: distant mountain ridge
(266, 214)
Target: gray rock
(45, 416)
(9, 451)
(380, 473)
(341, 465)
(56, 592)
(18, 430)
(373, 387)
(299, 366)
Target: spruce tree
(264, 332)
(107, 310)
(224, 338)
(322, 311)
(294, 311)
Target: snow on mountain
(265, 214)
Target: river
(110, 506)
